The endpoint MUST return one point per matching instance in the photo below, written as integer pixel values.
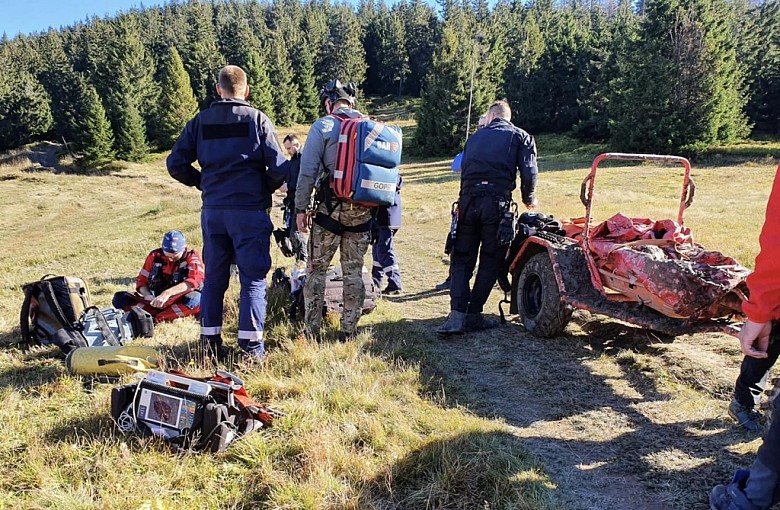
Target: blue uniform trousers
(385, 260)
(476, 235)
(243, 236)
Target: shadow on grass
(39, 367)
(554, 391)
(100, 425)
(123, 281)
(446, 473)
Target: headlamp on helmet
(335, 90)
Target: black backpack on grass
(52, 310)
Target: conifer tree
(122, 73)
(388, 62)
(440, 119)
(315, 25)
(93, 138)
(686, 90)
(130, 135)
(200, 54)
(422, 31)
(260, 92)
(760, 50)
(177, 104)
(308, 100)
(25, 113)
(285, 91)
(344, 57)
(470, 59)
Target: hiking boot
(734, 496)
(478, 322)
(211, 347)
(392, 291)
(445, 285)
(454, 325)
(346, 336)
(747, 418)
(250, 359)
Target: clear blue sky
(27, 16)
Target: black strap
(47, 290)
(501, 308)
(102, 324)
(336, 227)
(24, 316)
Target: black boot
(454, 325)
(478, 322)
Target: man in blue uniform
(388, 222)
(240, 159)
(491, 160)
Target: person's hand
(533, 205)
(754, 338)
(159, 301)
(302, 220)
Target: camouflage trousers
(352, 247)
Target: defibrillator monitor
(164, 409)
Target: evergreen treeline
(653, 76)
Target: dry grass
(604, 417)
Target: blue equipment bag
(367, 160)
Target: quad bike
(662, 281)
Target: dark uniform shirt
(238, 153)
(493, 156)
(293, 169)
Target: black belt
(487, 188)
(337, 227)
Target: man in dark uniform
(491, 159)
(240, 162)
(293, 147)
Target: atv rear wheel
(539, 302)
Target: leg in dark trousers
(464, 254)
(752, 375)
(489, 260)
(385, 260)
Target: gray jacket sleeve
(311, 164)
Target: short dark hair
(501, 109)
(232, 79)
(292, 138)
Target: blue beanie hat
(173, 242)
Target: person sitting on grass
(169, 283)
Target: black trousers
(769, 451)
(476, 236)
(752, 375)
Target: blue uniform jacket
(238, 153)
(494, 155)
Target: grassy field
(604, 417)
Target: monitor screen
(160, 408)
